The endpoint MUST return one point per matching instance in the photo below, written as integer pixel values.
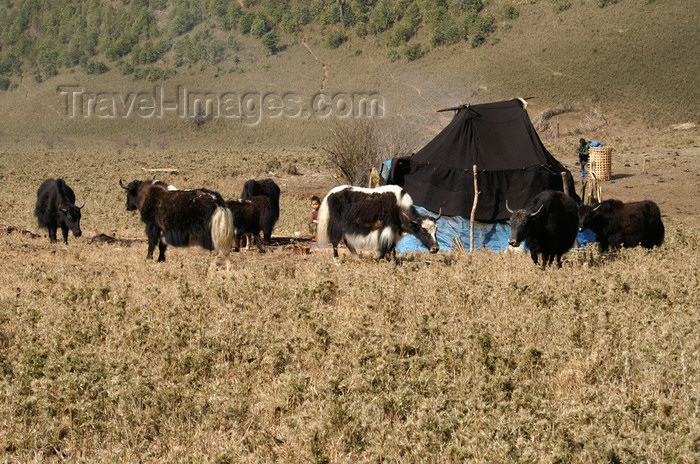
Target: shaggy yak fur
(617, 224)
(55, 207)
(246, 219)
(548, 225)
(270, 214)
(372, 219)
(180, 217)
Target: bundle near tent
(511, 162)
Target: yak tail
(322, 220)
(222, 230)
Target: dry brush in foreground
(479, 357)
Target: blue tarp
(493, 236)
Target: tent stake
(471, 218)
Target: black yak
(180, 217)
(246, 219)
(372, 219)
(617, 224)
(271, 213)
(55, 207)
(548, 225)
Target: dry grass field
(297, 358)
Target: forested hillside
(630, 64)
(152, 39)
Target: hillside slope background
(630, 65)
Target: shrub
(245, 23)
(270, 41)
(120, 47)
(445, 32)
(412, 52)
(125, 67)
(46, 60)
(478, 27)
(259, 27)
(153, 73)
(349, 16)
(184, 16)
(233, 44)
(232, 16)
(393, 54)
(335, 39)
(5, 83)
(9, 63)
(562, 5)
(380, 19)
(401, 33)
(467, 6)
(289, 23)
(301, 12)
(443, 28)
(353, 148)
(509, 11)
(95, 67)
(329, 15)
(361, 28)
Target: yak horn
(599, 205)
(535, 213)
(509, 210)
(122, 185)
(81, 206)
(439, 215)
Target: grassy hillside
(631, 62)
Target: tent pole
(471, 218)
(566, 192)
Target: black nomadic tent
(512, 164)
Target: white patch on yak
(403, 199)
(374, 241)
(430, 226)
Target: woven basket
(601, 162)
(301, 250)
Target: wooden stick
(160, 170)
(466, 105)
(566, 192)
(564, 183)
(452, 108)
(471, 218)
